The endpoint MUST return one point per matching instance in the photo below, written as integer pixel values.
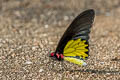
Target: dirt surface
(30, 30)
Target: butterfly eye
(52, 54)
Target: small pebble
(41, 70)
(46, 26)
(66, 18)
(101, 62)
(33, 48)
(28, 62)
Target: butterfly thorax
(58, 56)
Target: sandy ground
(29, 33)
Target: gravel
(29, 32)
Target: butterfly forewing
(79, 28)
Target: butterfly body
(74, 45)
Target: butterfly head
(57, 55)
(52, 54)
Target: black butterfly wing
(79, 28)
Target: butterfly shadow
(95, 71)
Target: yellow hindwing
(75, 48)
(75, 61)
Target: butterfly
(74, 44)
